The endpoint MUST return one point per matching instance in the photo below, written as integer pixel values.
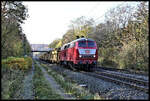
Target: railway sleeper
(133, 80)
(142, 88)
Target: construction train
(81, 53)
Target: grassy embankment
(70, 86)
(13, 72)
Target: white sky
(50, 20)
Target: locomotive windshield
(86, 44)
(91, 44)
(82, 43)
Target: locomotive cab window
(68, 45)
(91, 44)
(82, 43)
(65, 46)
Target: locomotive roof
(83, 39)
(80, 39)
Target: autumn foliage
(18, 63)
(122, 38)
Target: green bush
(109, 63)
(29, 61)
(132, 57)
(17, 63)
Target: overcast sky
(50, 20)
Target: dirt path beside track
(28, 92)
(55, 86)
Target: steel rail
(115, 80)
(121, 77)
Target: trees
(82, 26)
(68, 37)
(130, 31)
(55, 44)
(78, 27)
(122, 38)
(13, 13)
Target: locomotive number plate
(87, 51)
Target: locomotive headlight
(80, 56)
(94, 56)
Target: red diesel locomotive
(81, 53)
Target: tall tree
(82, 26)
(12, 16)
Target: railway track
(126, 77)
(124, 70)
(131, 82)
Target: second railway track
(131, 82)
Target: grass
(13, 72)
(71, 87)
(42, 88)
(12, 82)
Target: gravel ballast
(104, 88)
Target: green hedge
(18, 62)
